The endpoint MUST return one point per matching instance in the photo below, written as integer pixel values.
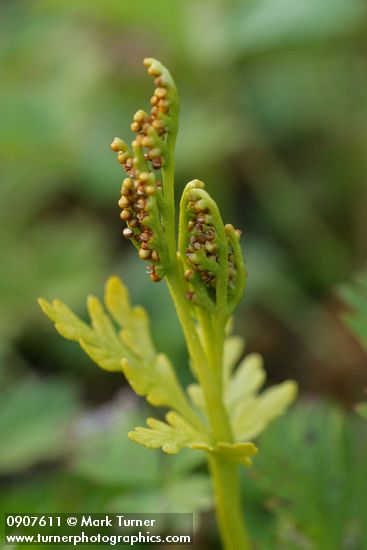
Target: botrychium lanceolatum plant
(221, 412)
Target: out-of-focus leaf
(234, 347)
(186, 495)
(362, 409)
(45, 257)
(254, 412)
(246, 380)
(150, 375)
(105, 455)
(196, 395)
(54, 491)
(190, 494)
(355, 297)
(312, 467)
(267, 24)
(35, 417)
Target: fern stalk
(205, 273)
(208, 365)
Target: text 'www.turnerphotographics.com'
(108, 529)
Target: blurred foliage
(306, 489)
(309, 481)
(361, 408)
(92, 465)
(29, 433)
(274, 101)
(355, 297)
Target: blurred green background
(274, 120)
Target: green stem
(216, 353)
(168, 172)
(223, 472)
(208, 367)
(216, 412)
(228, 503)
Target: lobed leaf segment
(119, 339)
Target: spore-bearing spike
(208, 249)
(138, 191)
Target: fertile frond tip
(211, 252)
(142, 190)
